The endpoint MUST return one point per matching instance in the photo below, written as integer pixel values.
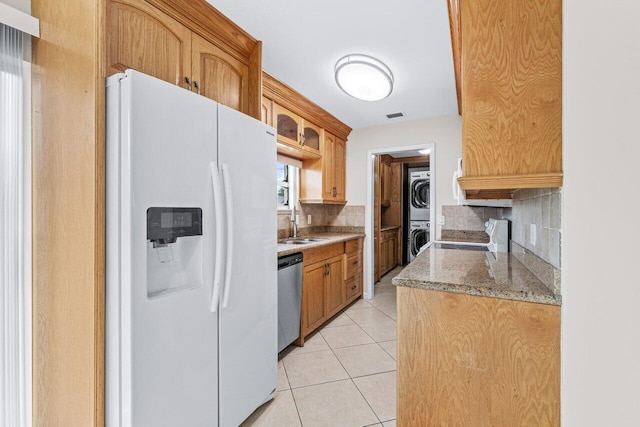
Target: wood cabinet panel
(266, 111)
(353, 246)
(313, 296)
(388, 250)
(512, 94)
(218, 75)
(340, 169)
(328, 166)
(335, 286)
(146, 40)
(463, 357)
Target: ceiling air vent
(394, 115)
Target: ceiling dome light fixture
(364, 77)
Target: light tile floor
(345, 375)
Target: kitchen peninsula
(478, 339)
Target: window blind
(12, 315)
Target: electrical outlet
(532, 234)
(308, 219)
(440, 219)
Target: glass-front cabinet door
(312, 138)
(289, 126)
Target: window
(287, 177)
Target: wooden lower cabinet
(388, 251)
(476, 361)
(331, 279)
(313, 296)
(335, 285)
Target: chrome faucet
(294, 224)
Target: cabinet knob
(353, 288)
(188, 81)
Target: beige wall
(445, 132)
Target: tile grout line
(354, 384)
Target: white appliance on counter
(459, 196)
(499, 235)
(191, 311)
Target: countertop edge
(482, 292)
(332, 238)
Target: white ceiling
(303, 39)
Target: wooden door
(288, 125)
(328, 166)
(144, 39)
(313, 296)
(218, 75)
(339, 162)
(335, 285)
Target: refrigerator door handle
(217, 201)
(226, 178)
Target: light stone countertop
(287, 249)
(497, 275)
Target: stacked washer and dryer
(419, 196)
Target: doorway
(382, 217)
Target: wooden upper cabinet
(218, 75)
(189, 44)
(312, 136)
(298, 133)
(145, 39)
(511, 94)
(322, 180)
(288, 125)
(328, 166)
(340, 168)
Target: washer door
(420, 193)
(419, 238)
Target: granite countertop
(287, 249)
(389, 227)
(498, 275)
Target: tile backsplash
(541, 208)
(321, 216)
(538, 207)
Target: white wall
(601, 224)
(445, 132)
(21, 5)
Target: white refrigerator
(191, 310)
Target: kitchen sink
(303, 240)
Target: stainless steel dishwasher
(289, 298)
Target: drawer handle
(355, 262)
(353, 288)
